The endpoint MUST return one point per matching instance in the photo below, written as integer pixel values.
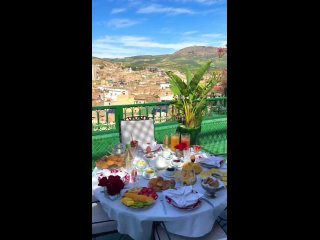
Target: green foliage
(191, 96)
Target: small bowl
(141, 164)
(170, 171)
(176, 163)
(149, 173)
(210, 190)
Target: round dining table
(138, 223)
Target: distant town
(138, 80)
(113, 85)
(117, 83)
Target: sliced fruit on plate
(139, 198)
(127, 201)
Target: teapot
(160, 163)
(119, 149)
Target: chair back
(139, 129)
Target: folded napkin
(212, 161)
(183, 197)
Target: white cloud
(212, 35)
(189, 33)
(133, 41)
(220, 43)
(205, 2)
(126, 46)
(118, 10)
(209, 2)
(121, 23)
(156, 8)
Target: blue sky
(123, 28)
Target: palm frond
(177, 81)
(188, 76)
(198, 75)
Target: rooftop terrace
(106, 124)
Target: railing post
(118, 117)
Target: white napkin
(183, 197)
(212, 161)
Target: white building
(166, 98)
(164, 85)
(114, 93)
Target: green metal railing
(106, 119)
(106, 123)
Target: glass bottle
(166, 142)
(128, 158)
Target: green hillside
(192, 57)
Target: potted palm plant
(191, 98)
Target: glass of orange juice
(185, 138)
(174, 141)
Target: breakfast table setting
(183, 187)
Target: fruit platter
(139, 197)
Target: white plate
(148, 178)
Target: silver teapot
(119, 149)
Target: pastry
(159, 184)
(112, 161)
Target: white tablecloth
(138, 222)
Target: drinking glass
(186, 155)
(174, 141)
(185, 138)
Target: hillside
(192, 57)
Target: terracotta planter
(194, 133)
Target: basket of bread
(111, 162)
(159, 184)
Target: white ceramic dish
(148, 175)
(164, 174)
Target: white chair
(140, 130)
(101, 224)
(216, 233)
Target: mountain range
(191, 57)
